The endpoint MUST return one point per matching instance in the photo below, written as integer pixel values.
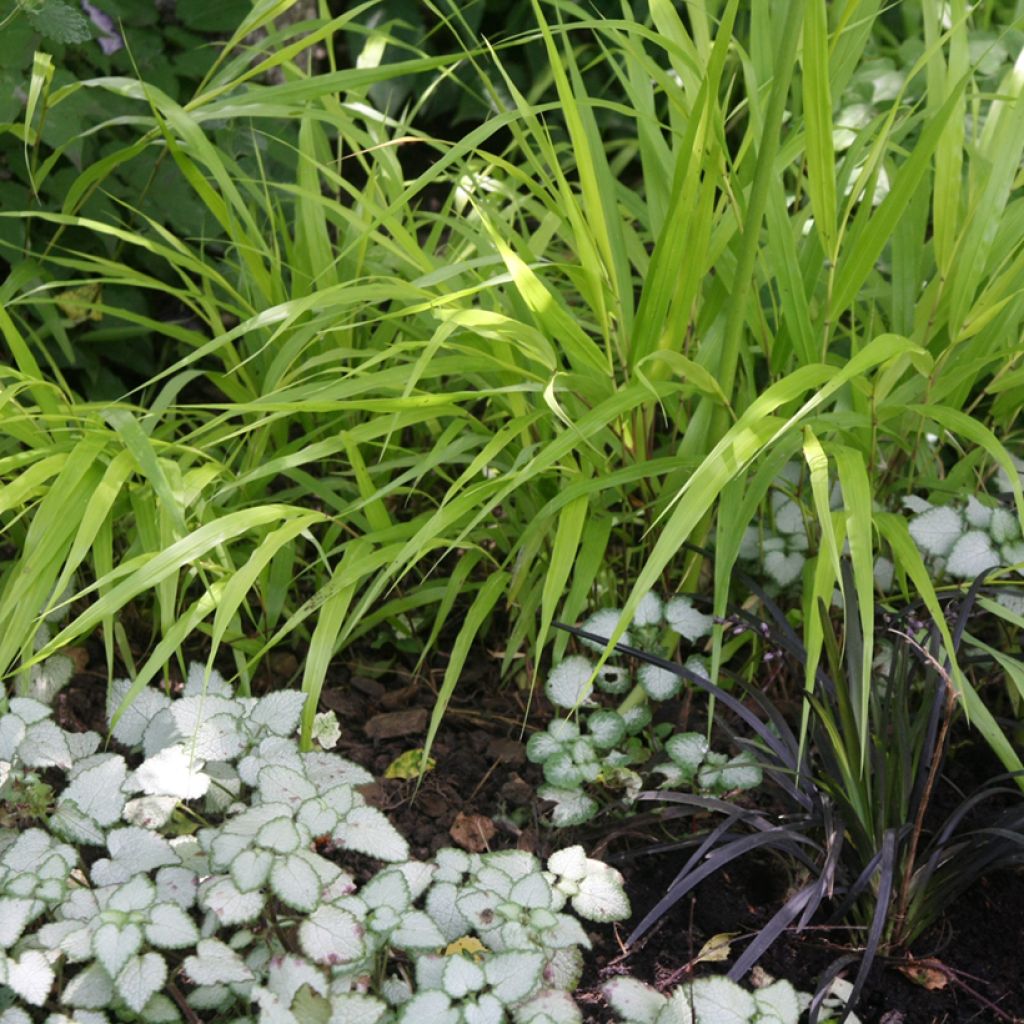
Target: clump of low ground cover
(208, 869)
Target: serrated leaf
(45, 746)
(284, 785)
(279, 712)
(177, 885)
(356, 1008)
(144, 707)
(60, 22)
(387, 889)
(721, 1000)
(367, 830)
(684, 619)
(149, 812)
(417, 931)
(250, 869)
(228, 904)
(288, 973)
(133, 851)
(113, 945)
(14, 915)
(140, 978)
(461, 976)
(90, 989)
(572, 807)
(936, 530)
(558, 1007)
(531, 891)
(513, 975)
(972, 554)
(96, 791)
(568, 683)
(215, 962)
(332, 936)
(279, 835)
(170, 927)
(326, 771)
(429, 1008)
(30, 976)
(632, 1000)
(779, 1002)
(295, 882)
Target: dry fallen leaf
(929, 974)
(716, 948)
(472, 832)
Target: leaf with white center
(531, 891)
(331, 936)
(14, 915)
(45, 746)
(679, 1009)
(487, 1009)
(461, 976)
(90, 989)
(632, 1000)
(606, 728)
(279, 712)
(557, 1007)
(199, 682)
(978, 516)
(173, 772)
(417, 931)
(16, 1015)
(637, 718)
(113, 945)
(170, 927)
(209, 727)
(279, 835)
(569, 862)
(649, 610)
(367, 830)
(274, 750)
(144, 707)
(26, 851)
(541, 746)
(283, 785)
(96, 791)
(215, 962)
(295, 882)
(418, 875)
(782, 567)
(603, 623)
(563, 969)
(160, 1010)
(778, 1003)
(272, 1009)
(687, 750)
(28, 710)
(568, 683)
(326, 771)
(659, 683)
(30, 976)
(386, 889)
(134, 851)
(613, 679)
(138, 893)
(150, 812)
(178, 885)
(70, 823)
(326, 730)
(1005, 526)
(444, 911)
(228, 905)
(972, 554)
(513, 975)
(288, 973)
(720, 1000)
(429, 1008)
(572, 807)
(356, 1008)
(140, 978)
(12, 732)
(161, 732)
(249, 870)
(601, 897)
(789, 517)
(686, 620)
(566, 932)
(937, 530)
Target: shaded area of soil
(481, 795)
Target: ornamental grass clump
(205, 868)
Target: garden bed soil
(480, 795)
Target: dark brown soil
(481, 794)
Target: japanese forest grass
(648, 283)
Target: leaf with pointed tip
(632, 1000)
(417, 931)
(284, 785)
(295, 882)
(215, 962)
(140, 978)
(96, 791)
(14, 916)
(133, 851)
(113, 945)
(279, 712)
(170, 927)
(367, 830)
(514, 975)
(45, 746)
(90, 989)
(332, 936)
(228, 904)
(249, 870)
(30, 976)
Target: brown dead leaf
(391, 724)
(79, 657)
(472, 832)
(929, 974)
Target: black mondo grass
(876, 862)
